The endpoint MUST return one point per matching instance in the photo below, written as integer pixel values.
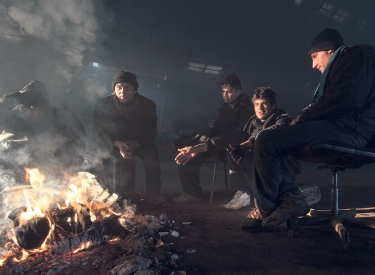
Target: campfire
(73, 216)
(50, 220)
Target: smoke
(67, 29)
(48, 40)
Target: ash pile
(144, 245)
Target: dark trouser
(271, 145)
(125, 170)
(237, 172)
(189, 175)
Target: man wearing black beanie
(125, 125)
(342, 111)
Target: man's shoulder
(144, 101)
(358, 50)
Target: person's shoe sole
(284, 219)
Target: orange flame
(83, 246)
(34, 176)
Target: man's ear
(273, 106)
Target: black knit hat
(127, 77)
(328, 39)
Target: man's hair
(231, 80)
(265, 93)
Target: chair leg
(225, 176)
(114, 175)
(213, 182)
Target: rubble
(131, 264)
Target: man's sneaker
(186, 198)
(253, 221)
(240, 199)
(156, 197)
(291, 206)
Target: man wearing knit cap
(342, 111)
(125, 125)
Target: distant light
(95, 64)
(216, 68)
(197, 65)
(195, 69)
(212, 72)
(165, 78)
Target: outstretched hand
(189, 152)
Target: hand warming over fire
(126, 148)
(190, 152)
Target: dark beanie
(329, 39)
(127, 77)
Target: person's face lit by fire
(263, 108)
(125, 92)
(230, 94)
(320, 59)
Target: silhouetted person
(52, 129)
(342, 111)
(125, 126)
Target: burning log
(30, 233)
(103, 230)
(71, 219)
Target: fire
(25, 255)
(83, 246)
(34, 177)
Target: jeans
(271, 145)
(237, 172)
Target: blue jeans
(270, 145)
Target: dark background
(264, 43)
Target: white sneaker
(240, 199)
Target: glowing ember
(83, 246)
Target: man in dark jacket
(342, 111)
(240, 158)
(125, 125)
(227, 128)
(46, 127)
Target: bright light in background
(329, 10)
(95, 64)
(199, 67)
(11, 35)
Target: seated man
(240, 160)
(227, 128)
(125, 126)
(342, 111)
(48, 128)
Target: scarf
(323, 79)
(126, 108)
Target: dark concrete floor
(223, 248)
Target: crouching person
(240, 157)
(125, 126)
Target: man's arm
(350, 75)
(238, 135)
